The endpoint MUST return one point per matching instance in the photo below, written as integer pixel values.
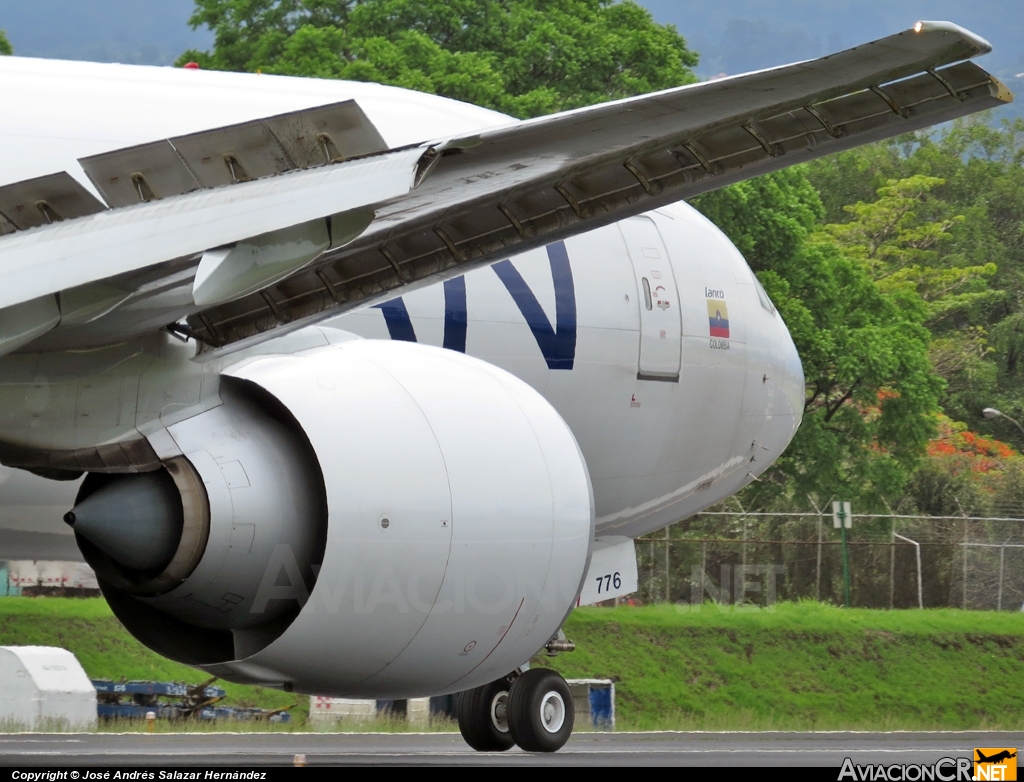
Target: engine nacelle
(379, 519)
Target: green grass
(799, 667)
(803, 666)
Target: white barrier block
(418, 712)
(23, 573)
(326, 710)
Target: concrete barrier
(594, 703)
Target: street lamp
(991, 412)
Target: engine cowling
(379, 519)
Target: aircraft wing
(284, 239)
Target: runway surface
(591, 749)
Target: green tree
(5, 45)
(901, 247)
(522, 57)
(973, 174)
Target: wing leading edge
(527, 184)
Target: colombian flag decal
(718, 318)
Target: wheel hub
(499, 712)
(552, 712)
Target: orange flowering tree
(968, 450)
(966, 473)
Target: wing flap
(233, 154)
(148, 172)
(121, 241)
(339, 131)
(44, 200)
(226, 156)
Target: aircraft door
(660, 318)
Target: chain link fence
(895, 561)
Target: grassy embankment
(804, 667)
(801, 666)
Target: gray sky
(741, 35)
(149, 32)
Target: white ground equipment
(44, 688)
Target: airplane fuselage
(673, 409)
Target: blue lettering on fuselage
(396, 316)
(455, 317)
(557, 344)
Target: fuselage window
(647, 293)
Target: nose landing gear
(535, 712)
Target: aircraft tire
(483, 717)
(540, 711)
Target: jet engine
(380, 519)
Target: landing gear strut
(535, 712)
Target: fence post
(963, 603)
(817, 567)
(668, 568)
(703, 567)
(964, 606)
(920, 591)
(917, 548)
(650, 584)
(846, 561)
(1002, 561)
(744, 554)
(892, 566)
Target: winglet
(980, 44)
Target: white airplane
(370, 388)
